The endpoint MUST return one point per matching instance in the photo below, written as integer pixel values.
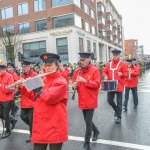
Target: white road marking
(99, 141)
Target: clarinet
(74, 91)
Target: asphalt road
(132, 133)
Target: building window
(81, 45)
(86, 9)
(100, 8)
(87, 27)
(23, 9)
(39, 5)
(78, 21)
(78, 3)
(92, 13)
(93, 30)
(63, 21)
(56, 3)
(109, 27)
(24, 28)
(101, 20)
(62, 49)
(88, 45)
(102, 32)
(34, 50)
(109, 38)
(108, 17)
(7, 12)
(40, 25)
(9, 29)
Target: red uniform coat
(88, 92)
(50, 123)
(121, 68)
(5, 80)
(26, 99)
(134, 78)
(66, 74)
(15, 76)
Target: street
(132, 134)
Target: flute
(74, 91)
(30, 78)
(130, 71)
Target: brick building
(131, 47)
(65, 27)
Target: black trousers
(90, 126)
(51, 146)
(135, 96)
(14, 108)
(6, 107)
(117, 107)
(27, 116)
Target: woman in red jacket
(50, 125)
(131, 84)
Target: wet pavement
(133, 132)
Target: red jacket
(134, 77)
(121, 68)
(88, 92)
(26, 99)
(66, 74)
(15, 76)
(5, 80)
(50, 119)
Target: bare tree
(11, 41)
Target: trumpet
(29, 80)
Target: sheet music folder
(33, 83)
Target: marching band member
(65, 72)
(50, 119)
(131, 84)
(27, 102)
(11, 70)
(116, 70)
(87, 82)
(6, 96)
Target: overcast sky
(136, 20)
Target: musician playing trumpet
(86, 80)
(26, 101)
(131, 84)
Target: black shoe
(13, 123)
(118, 120)
(28, 140)
(135, 107)
(125, 108)
(115, 114)
(95, 135)
(87, 146)
(6, 134)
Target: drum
(109, 85)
